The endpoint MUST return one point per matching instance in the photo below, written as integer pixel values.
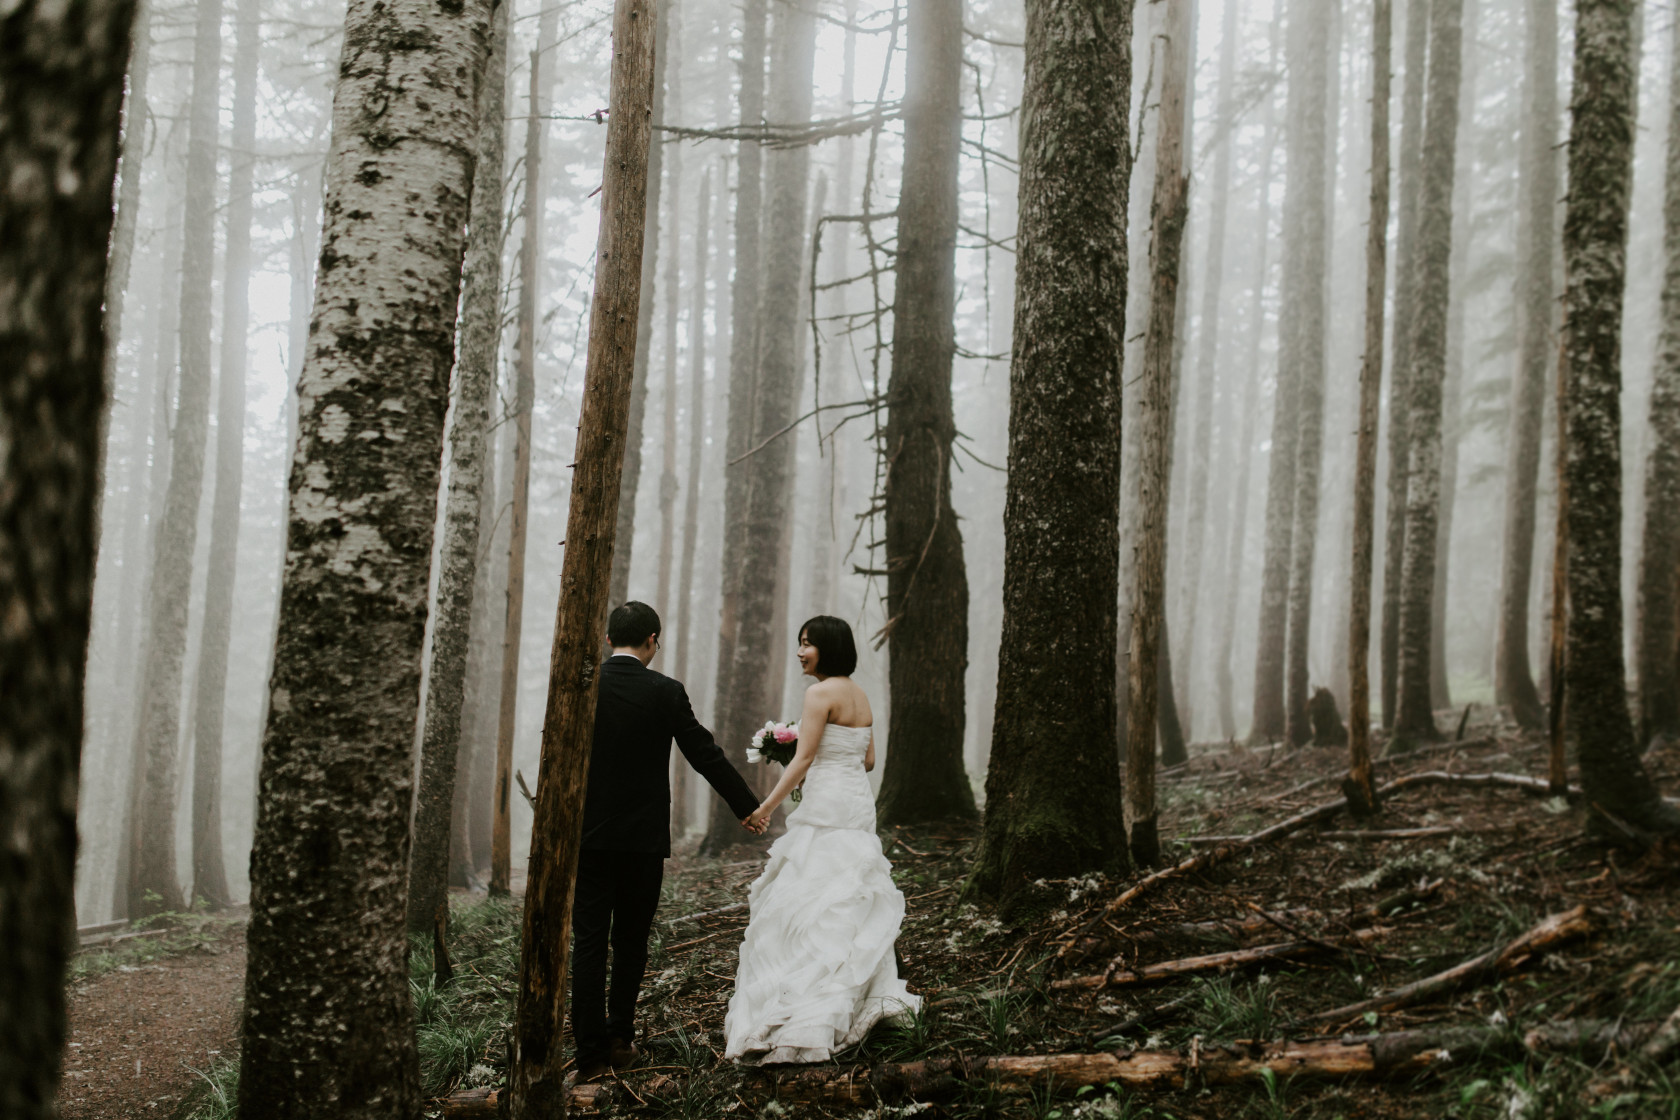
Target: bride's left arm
(812, 720)
(869, 755)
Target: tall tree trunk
(927, 583)
(153, 883)
(481, 330)
(524, 397)
(1414, 717)
(723, 829)
(1207, 345)
(696, 426)
(1169, 209)
(673, 309)
(535, 1075)
(61, 73)
(136, 129)
(1245, 444)
(626, 535)
(1061, 515)
(1400, 360)
(1618, 788)
(696, 464)
(1360, 786)
(756, 683)
(1306, 204)
(484, 673)
(209, 876)
(1657, 616)
(328, 1022)
(1537, 170)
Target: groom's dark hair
(632, 624)
(836, 651)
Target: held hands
(757, 821)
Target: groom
(627, 832)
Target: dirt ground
(148, 1017)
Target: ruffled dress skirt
(816, 969)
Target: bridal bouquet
(775, 742)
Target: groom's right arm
(707, 758)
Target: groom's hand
(754, 824)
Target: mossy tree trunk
(328, 1025)
(1657, 637)
(1595, 230)
(927, 583)
(1415, 715)
(475, 378)
(1053, 798)
(61, 73)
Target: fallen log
(1549, 934)
(1395, 1054)
(486, 1102)
(1163, 971)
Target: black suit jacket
(637, 714)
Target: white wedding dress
(816, 969)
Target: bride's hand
(756, 821)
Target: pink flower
(786, 734)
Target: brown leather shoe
(593, 1069)
(624, 1055)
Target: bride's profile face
(807, 655)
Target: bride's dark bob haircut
(836, 651)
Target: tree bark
(1360, 786)
(1415, 716)
(1061, 515)
(484, 674)
(136, 128)
(153, 883)
(1307, 201)
(1538, 173)
(1400, 360)
(209, 876)
(1657, 633)
(1595, 231)
(535, 1081)
(1169, 210)
(927, 582)
(61, 73)
(696, 425)
(328, 1025)
(524, 397)
(481, 329)
(626, 535)
(723, 829)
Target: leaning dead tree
(61, 90)
(1169, 210)
(328, 1026)
(536, 1085)
(1359, 788)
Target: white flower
(754, 755)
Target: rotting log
(1164, 971)
(487, 1102)
(1551, 933)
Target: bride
(816, 970)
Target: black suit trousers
(616, 897)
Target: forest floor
(150, 1013)
(1484, 865)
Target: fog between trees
(161, 582)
